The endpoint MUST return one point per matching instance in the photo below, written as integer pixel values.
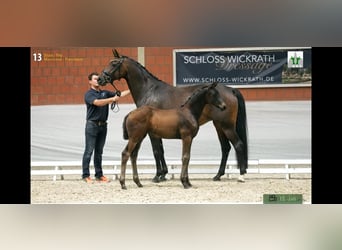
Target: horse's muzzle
(222, 107)
(101, 81)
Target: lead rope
(115, 106)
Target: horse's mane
(142, 67)
(195, 93)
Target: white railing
(262, 166)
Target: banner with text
(252, 67)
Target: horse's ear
(213, 85)
(115, 53)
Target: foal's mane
(195, 93)
(142, 67)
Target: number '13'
(37, 57)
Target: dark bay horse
(147, 89)
(180, 123)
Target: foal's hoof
(123, 185)
(137, 182)
(186, 184)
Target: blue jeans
(95, 138)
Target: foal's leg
(134, 157)
(124, 158)
(225, 149)
(126, 153)
(184, 176)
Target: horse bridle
(108, 76)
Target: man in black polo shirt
(97, 102)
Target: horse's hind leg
(164, 169)
(158, 153)
(225, 149)
(242, 161)
(134, 157)
(240, 154)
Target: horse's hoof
(140, 185)
(156, 179)
(241, 178)
(122, 184)
(124, 187)
(162, 178)
(186, 185)
(217, 178)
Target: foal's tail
(241, 123)
(125, 133)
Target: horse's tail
(124, 128)
(241, 123)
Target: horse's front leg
(134, 157)
(184, 176)
(158, 153)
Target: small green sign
(282, 198)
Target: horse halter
(108, 76)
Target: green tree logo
(295, 59)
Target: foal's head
(210, 94)
(213, 97)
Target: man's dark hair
(90, 76)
